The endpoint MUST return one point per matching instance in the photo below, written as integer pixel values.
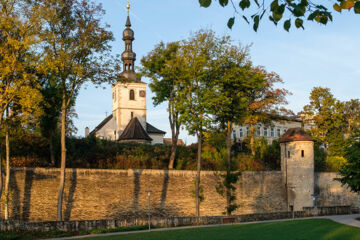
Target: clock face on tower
(142, 93)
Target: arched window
(132, 95)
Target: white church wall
(157, 138)
(107, 131)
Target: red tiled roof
(295, 134)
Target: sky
(326, 56)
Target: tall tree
(350, 171)
(266, 101)
(198, 53)
(19, 88)
(352, 116)
(326, 113)
(76, 47)
(229, 102)
(297, 11)
(165, 67)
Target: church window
(247, 131)
(302, 153)
(241, 132)
(234, 134)
(288, 154)
(265, 132)
(272, 132)
(132, 95)
(132, 115)
(278, 132)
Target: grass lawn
(314, 229)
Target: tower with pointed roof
(128, 119)
(297, 165)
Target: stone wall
(331, 193)
(115, 194)
(92, 194)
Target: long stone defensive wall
(120, 194)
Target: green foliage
(296, 11)
(350, 171)
(334, 163)
(319, 157)
(226, 187)
(327, 114)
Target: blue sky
(326, 56)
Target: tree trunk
(1, 180)
(7, 180)
(228, 152)
(174, 140)
(252, 136)
(63, 160)
(51, 148)
(197, 185)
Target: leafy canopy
(293, 11)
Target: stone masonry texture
(92, 194)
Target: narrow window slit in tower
(302, 153)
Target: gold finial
(128, 6)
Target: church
(127, 123)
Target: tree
(19, 88)
(352, 116)
(264, 100)
(75, 49)
(165, 67)
(350, 171)
(327, 115)
(298, 11)
(229, 103)
(198, 53)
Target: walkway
(343, 219)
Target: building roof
(168, 142)
(295, 134)
(134, 131)
(105, 121)
(151, 129)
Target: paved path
(346, 219)
(343, 219)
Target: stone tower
(297, 165)
(129, 93)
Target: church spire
(128, 56)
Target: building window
(234, 134)
(241, 132)
(302, 153)
(288, 154)
(272, 132)
(278, 132)
(132, 95)
(247, 131)
(265, 132)
(258, 131)
(132, 115)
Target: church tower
(127, 123)
(129, 93)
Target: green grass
(314, 229)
